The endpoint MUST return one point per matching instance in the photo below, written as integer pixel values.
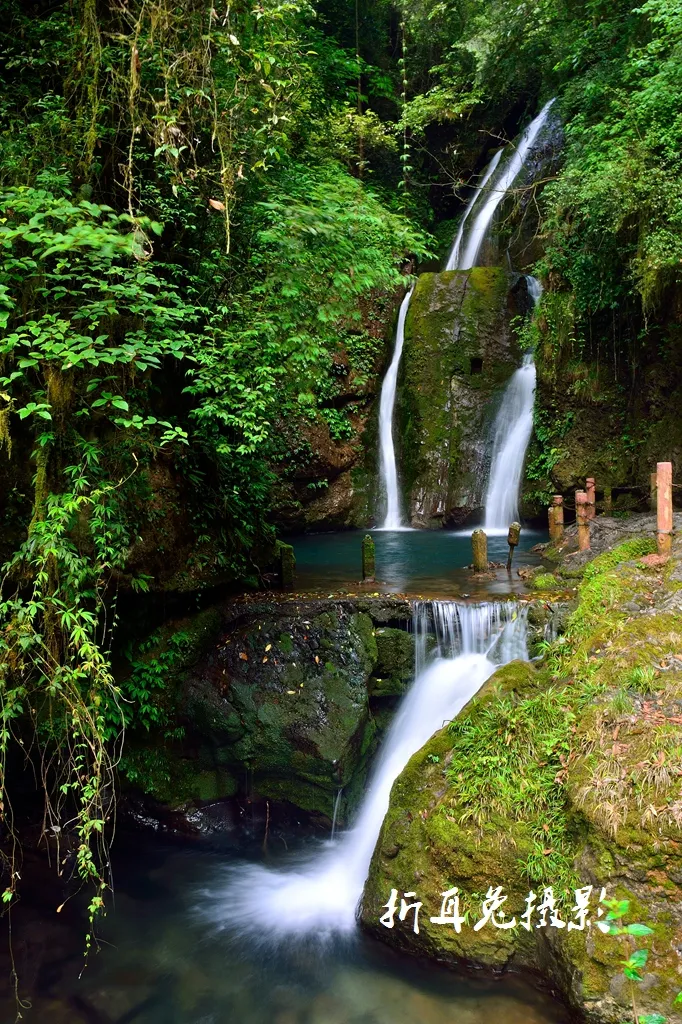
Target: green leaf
(638, 929)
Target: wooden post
(479, 546)
(591, 491)
(287, 565)
(664, 494)
(583, 520)
(368, 558)
(653, 498)
(512, 541)
(550, 522)
(608, 501)
(556, 522)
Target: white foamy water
(453, 258)
(511, 434)
(318, 895)
(389, 469)
(498, 189)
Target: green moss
(286, 643)
(545, 581)
(454, 317)
(394, 668)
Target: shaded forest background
(204, 215)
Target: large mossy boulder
(280, 705)
(459, 351)
(565, 776)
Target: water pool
(161, 963)
(429, 562)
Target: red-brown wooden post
(582, 518)
(591, 490)
(664, 493)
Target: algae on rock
(459, 351)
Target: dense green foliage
(189, 223)
(201, 208)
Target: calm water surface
(162, 963)
(429, 562)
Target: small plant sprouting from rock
(637, 959)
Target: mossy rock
(459, 351)
(394, 668)
(283, 699)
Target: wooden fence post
(368, 558)
(591, 491)
(479, 546)
(512, 540)
(582, 518)
(557, 519)
(664, 495)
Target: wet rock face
(459, 352)
(282, 701)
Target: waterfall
(511, 434)
(453, 258)
(319, 895)
(500, 188)
(456, 261)
(389, 471)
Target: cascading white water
(511, 434)
(319, 895)
(453, 258)
(389, 470)
(499, 189)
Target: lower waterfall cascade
(319, 893)
(389, 469)
(510, 436)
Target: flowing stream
(511, 434)
(318, 896)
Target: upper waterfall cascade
(453, 258)
(496, 192)
(319, 895)
(510, 436)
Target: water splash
(389, 470)
(317, 896)
(499, 189)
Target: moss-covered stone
(394, 667)
(459, 351)
(281, 700)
